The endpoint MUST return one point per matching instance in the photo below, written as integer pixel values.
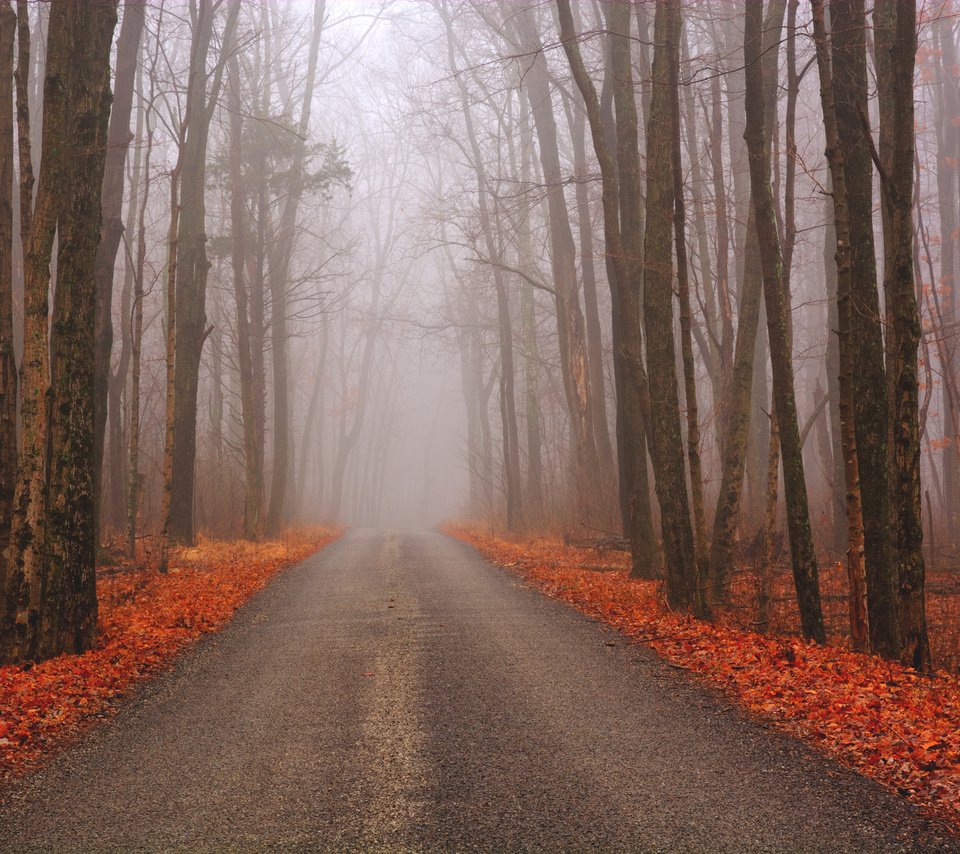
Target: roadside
(146, 619)
(876, 717)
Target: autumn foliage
(146, 619)
(875, 716)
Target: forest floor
(397, 692)
(877, 717)
(145, 620)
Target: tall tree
(622, 226)
(803, 557)
(666, 436)
(843, 272)
(190, 326)
(870, 392)
(570, 322)
(50, 596)
(118, 141)
(511, 448)
(737, 409)
(8, 365)
(895, 24)
(283, 246)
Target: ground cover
(145, 620)
(877, 717)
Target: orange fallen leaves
(877, 717)
(145, 620)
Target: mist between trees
(677, 277)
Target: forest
(653, 302)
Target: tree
(666, 440)
(737, 408)
(803, 557)
(895, 23)
(8, 365)
(283, 243)
(869, 383)
(570, 322)
(189, 321)
(118, 141)
(622, 225)
(50, 595)
(845, 355)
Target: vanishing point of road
(396, 693)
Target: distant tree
(8, 366)
(188, 322)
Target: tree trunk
(845, 355)
(622, 217)
(8, 366)
(279, 282)
(252, 463)
(136, 336)
(111, 232)
(511, 450)
(50, 599)
(588, 271)
(895, 24)
(741, 402)
(570, 323)
(190, 327)
(803, 556)
(19, 631)
(531, 353)
(870, 393)
(666, 436)
(838, 491)
(69, 610)
(948, 157)
(686, 337)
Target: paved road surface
(396, 693)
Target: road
(396, 693)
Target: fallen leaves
(875, 716)
(145, 620)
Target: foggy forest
(529, 420)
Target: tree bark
(69, 610)
(190, 327)
(8, 365)
(741, 400)
(845, 353)
(895, 24)
(803, 557)
(683, 590)
(111, 231)
(870, 393)
(50, 598)
(622, 218)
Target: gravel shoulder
(396, 693)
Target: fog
(395, 263)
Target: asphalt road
(396, 693)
